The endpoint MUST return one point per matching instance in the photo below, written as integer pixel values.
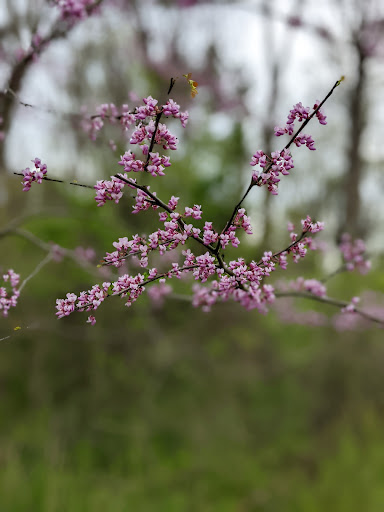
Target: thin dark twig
(235, 210)
(269, 165)
(304, 124)
(152, 143)
(46, 178)
(277, 254)
(140, 285)
(330, 301)
(164, 206)
(172, 83)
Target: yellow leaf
(192, 84)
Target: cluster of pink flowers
(311, 227)
(8, 299)
(301, 113)
(279, 163)
(354, 254)
(299, 245)
(85, 253)
(347, 319)
(216, 278)
(158, 292)
(237, 280)
(37, 174)
(148, 132)
(351, 307)
(87, 301)
(288, 314)
(142, 116)
(107, 113)
(155, 165)
(74, 10)
(109, 190)
(309, 285)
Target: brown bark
(353, 177)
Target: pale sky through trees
(245, 40)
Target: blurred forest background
(171, 409)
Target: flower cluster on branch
(216, 279)
(9, 293)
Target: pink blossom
(172, 203)
(305, 140)
(36, 174)
(184, 118)
(316, 287)
(66, 306)
(194, 212)
(8, 298)
(272, 167)
(57, 253)
(171, 108)
(85, 253)
(242, 221)
(300, 113)
(354, 254)
(91, 320)
(158, 292)
(320, 116)
(288, 314)
(210, 236)
(237, 280)
(290, 226)
(311, 227)
(74, 10)
(109, 190)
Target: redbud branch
(16, 331)
(135, 253)
(48, 247)
(339, 270)
(45, 178)
(303, 295)
(140, 285)
(227, 270)
(164, 206)
(269, 165)
(157, 121)
(55, 112)
(235, 210)
(12, 225)
(304, 124)
(171, 84)
(72, 115)
(49, 110)
(160, 276)
(152, 143)
(42, 263)
(277, 254)
(328, 300)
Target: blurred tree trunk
(352, 221)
